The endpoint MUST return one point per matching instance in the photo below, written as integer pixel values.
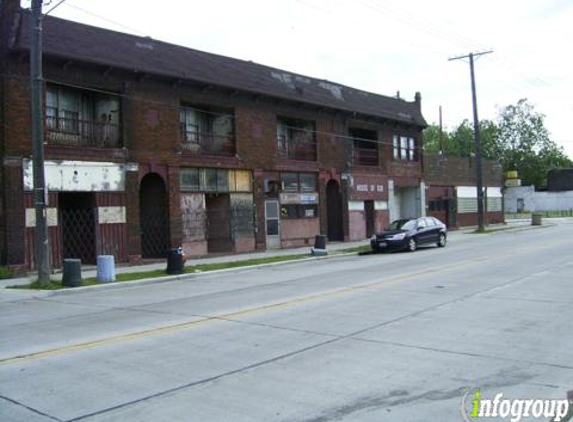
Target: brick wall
(151, 138)
(460, 171)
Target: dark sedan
(409, 234)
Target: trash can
(320, 241)
(175, 261)
(105, 269)
(319, 248)
(536, 219)
(72, 276)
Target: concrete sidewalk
(335, 248)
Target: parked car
(409, 234)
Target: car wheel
(442, 240)
(412, 245)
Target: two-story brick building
(150, 145)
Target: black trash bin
(175, 261)
(72, 276)
(320, 241)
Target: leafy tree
(518, 139)
(460, 141)
(523, 144)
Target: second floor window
(81, 117)
(364, 147)
(404, 148)
(207, 132)
(296, 139)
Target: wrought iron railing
(365, 156)
(207, 143)
(289, 149)
(82, 133)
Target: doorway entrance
(369, 216)
(334, 212)
(153, 215)
(77, 216)
(272, 224)
(218, 223)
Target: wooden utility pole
(477, 143)
(36, 101)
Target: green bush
(5, 273)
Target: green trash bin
(536, 219)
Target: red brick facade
(151, 143)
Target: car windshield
(402, 225)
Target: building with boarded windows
(151, 145)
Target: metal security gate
(77, 216)
(153, 217)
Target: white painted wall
(537, 201)
(393, 213)
(410, 206)
(78, 176)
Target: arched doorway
(153, 216)
(334, 211)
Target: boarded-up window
(242, 215)
(193, 217)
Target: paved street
(391, 337)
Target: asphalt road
(391, 337)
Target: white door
(272, 224)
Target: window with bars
(81, 117)
(296, 139)
(209, 132)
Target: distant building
(560, 180)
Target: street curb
(502, 230)
(182, 277)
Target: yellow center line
(246, 312)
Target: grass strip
(200, 268)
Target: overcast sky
(382, 46)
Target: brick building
(150, 145)
(451, 190)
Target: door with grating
(153, 217)
(77, 223)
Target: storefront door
(272, 220)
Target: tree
(517, 139)
(460, 141)
(523, 144)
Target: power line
(95, 15)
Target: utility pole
(36, 102)
(477, 143)
(441, 134)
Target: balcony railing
(82, 133)
(207, 143)
(296, 150)
(364, 156)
